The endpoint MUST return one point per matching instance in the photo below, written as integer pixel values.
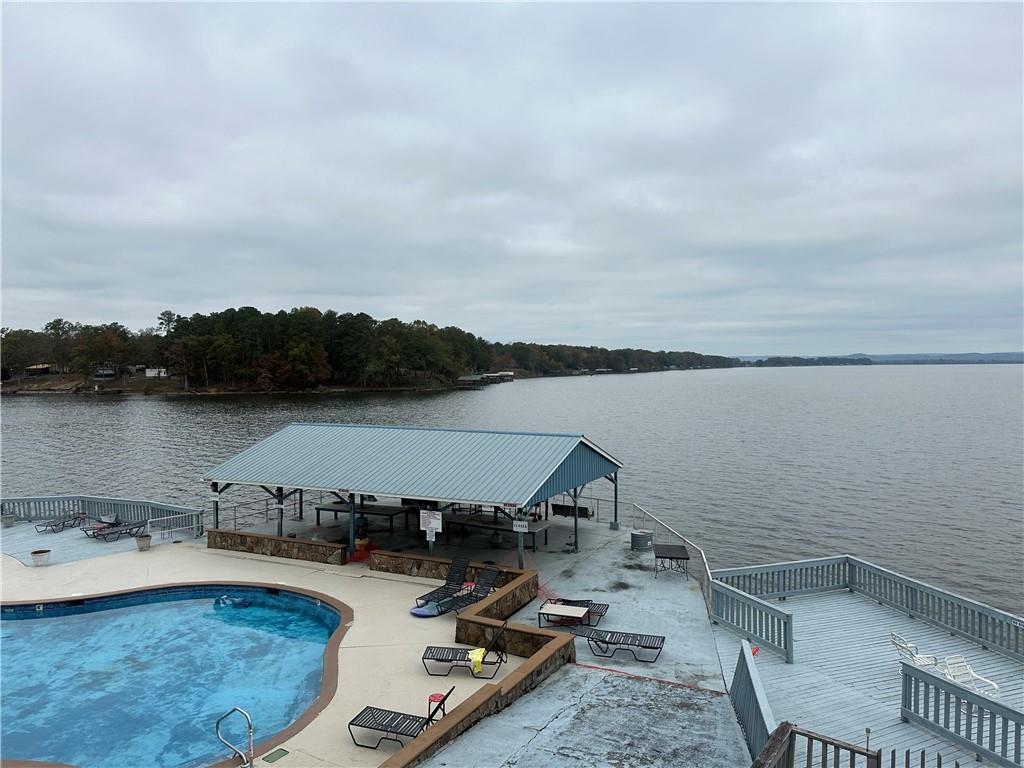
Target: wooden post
(279, 497)
(216, 504)
(352, 523)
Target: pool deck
(846, 675)
(605, 712)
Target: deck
(846, 678)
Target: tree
(167, 320)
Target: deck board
(846, 674)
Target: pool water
(143, 683)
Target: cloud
(736, 179)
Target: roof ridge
(437, 429)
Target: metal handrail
(246, 761)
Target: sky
(726, 178)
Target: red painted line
(675, 683)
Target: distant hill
(943, 357)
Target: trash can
(642, 541)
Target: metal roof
(449, 465)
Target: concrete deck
(379, 658)
(846, 674)
(68, 546)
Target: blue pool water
(141, 679)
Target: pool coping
(328, 686)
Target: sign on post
(521, 526)
(430, 520)
(431, 533)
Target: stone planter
(142, 541)
(40, 556)
(7, 520)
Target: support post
(519, 543)
(575, 519)
(352, 524)
(216, 504)
(300, 503)
(615, 483)
(279, 496)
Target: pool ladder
(247, 760)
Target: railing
(800, 577)
(169, 517)
(750, 701)
(992, 628)
(988, 728)
(753, 618)
(999, 630)
(666, 534)
(816, 750)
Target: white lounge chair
(909, 652)
(959, 671)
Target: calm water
(918, 468)
(143, 686)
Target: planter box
(40, 556)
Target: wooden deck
(846, 675)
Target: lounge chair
(58, 524)
(959, 671)
(454, 583)
(595, 612)
(115, 532)
(486, 581)
(607, 643)
(394, 725)
(908, 652)
(459, 657)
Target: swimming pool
(141, 677)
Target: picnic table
(378, 510)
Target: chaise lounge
(486, 582)
(454, 583)
(607, 643)
(115, 532)
(394, 725)
(459, 657)
(58, 524)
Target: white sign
(521, 526)
(430, 519)
(431, 533)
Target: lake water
(916, 468)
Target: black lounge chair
(115, 532)
(486, 582)
(607, 643)
(58, 524)
(454, 583)
(394, 725)
(459, 657)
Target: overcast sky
(734, 179)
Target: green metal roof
(448, 465)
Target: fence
(165, 519)
(750, 702)
(990, 729)
(815, 750)
(753, 618)
(992, 628)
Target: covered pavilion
(511, 473)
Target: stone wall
(276, 546)
(544, 650)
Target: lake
(916, 468)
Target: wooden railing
(162, 518)
(985, 726)
(992, 628)
(753, 618)
(815, 750)
(750, 702)
(799, 577)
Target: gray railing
(985, 726)
(750, 702)
(666, 534)
(800, 577)
(164, 518)
(992, 628)
(753, 618)
(815, 750)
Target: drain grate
(276, 755)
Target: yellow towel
(476, 656)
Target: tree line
(305, 348)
